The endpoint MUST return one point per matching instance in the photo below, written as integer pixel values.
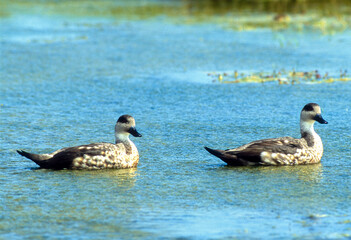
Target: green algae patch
(280, 77)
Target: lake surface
(65, 81)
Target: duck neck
(124, 139)
(308, 133)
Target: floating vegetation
(280, 77)
(317, 216)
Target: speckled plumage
(122, 154)
(280, 151)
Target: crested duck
(280, 151)
(122, 154)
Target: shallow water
(65, 81)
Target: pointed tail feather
(26, 154)
(217, 153)
(230, 159)
(34, 157)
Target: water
(65, 81)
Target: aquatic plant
(280, 77)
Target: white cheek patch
(123, 125)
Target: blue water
(65, 81)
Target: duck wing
(63, 158)
(275, 151)
(272, 151)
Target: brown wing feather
(251, 152)
(64, 159)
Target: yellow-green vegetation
(280, 77)
(346, 222)
(317, 216)
(328, 16)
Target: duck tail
(229, 159)
(217, 153)
(34, 157)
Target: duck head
(125, 125)
(312, 112)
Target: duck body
(280, 151)
(122, 154)
(274, 151)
